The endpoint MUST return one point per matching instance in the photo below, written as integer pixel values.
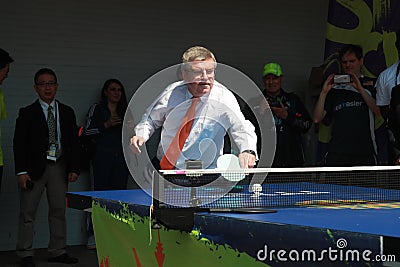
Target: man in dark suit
(46, 155)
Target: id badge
(52, 152)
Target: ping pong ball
(256, 188)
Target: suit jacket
(31, 140)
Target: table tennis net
(277, 187)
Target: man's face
(199, 75)
(46, 87)
(351, 64)
(4, 73)
(272, 84)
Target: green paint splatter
(117, 234)
(380, 10)
(328, 231)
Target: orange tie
(170, 157)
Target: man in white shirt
(387, 80)
(216, 113)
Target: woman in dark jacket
(108, 170)
(104, 124)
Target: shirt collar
(190, 96)
(45, 106)
(280, 94)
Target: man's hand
(135, 144)
(280, 112)
(328, 84)
(72, 177)
(247, 160)
(319, 109)
(355, 82)
(22, 178)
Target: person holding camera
(291, 118)
(346, 103)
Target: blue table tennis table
(372, 227)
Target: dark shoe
(27, 262)
(64, 258)
(91, 243)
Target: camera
(342, 78)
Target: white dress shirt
(386, 81)
(216, 113)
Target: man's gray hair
(197, 53)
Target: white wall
(87, 42)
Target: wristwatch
(249, 151)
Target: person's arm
(22, 180)
(242, 132)
(319, 110)
(383, 94)
(69, 130)
(94, 125)
(135, 143)
(298, 119)
(152, 119)
(384, 111)
(369, 100)
(247, 159)
(249, 114)
(20, 142)
(19, 146)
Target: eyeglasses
(200, 72)
(44, 85)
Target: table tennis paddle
(230, 168)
